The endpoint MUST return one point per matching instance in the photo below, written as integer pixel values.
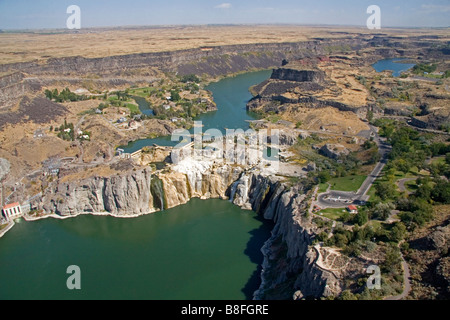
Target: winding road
(406, 282)
(401, 184)
(340, 199)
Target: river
(231, 96)
(206, 249)
(394, 65)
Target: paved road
(427, 130)
(336, 199)
(384, 150)
(406, 283)
(401, 184)
(339, 199)
(426, 79)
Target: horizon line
(13, 30)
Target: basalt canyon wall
(27, 77)
(289, 261)
(250, 55)
(185, 61)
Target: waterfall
(157, 191)
(234, 186)
(233, 190)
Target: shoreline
(28, 218)
(9, 227)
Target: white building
(12, 211)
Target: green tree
(341, 240)
(385, 190)
(416, 212)
(424, 189)
(347, 295)
(382, 211)
(346, 217)
(175, 96)
(190, 78)
(438, 148)
(441, 192)
(361, 218)
(374, 156)
(49, 94)
(392, 260)
(369, 116)
(398, 232)
(324, 176)
(402, 165)
(368, 145)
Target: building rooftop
(11, 205)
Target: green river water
(231, 96)
(206, 249)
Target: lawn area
(273, 118)
(438, 160)
(411, 186)
(133, 108)
(142, 92)
(350, 183)
(323, 187)
(332, 213)
(398, 175)
(375, 224)
(371, 192)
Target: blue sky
(29, 14)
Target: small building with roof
(12, 211)
(352, 209)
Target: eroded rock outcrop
(289, 74)
(334, 151)
(118, 195)
(289, 260)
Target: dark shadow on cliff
(253, 251)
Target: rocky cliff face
(184, 61)
(139, 191)
(334, 151)
(288, 259)
(213, 61)
(289, 74)
(15, 85)
(118, 195)
(289, 262)
(272, 104)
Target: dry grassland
(93, 43)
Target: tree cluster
(64, 96)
